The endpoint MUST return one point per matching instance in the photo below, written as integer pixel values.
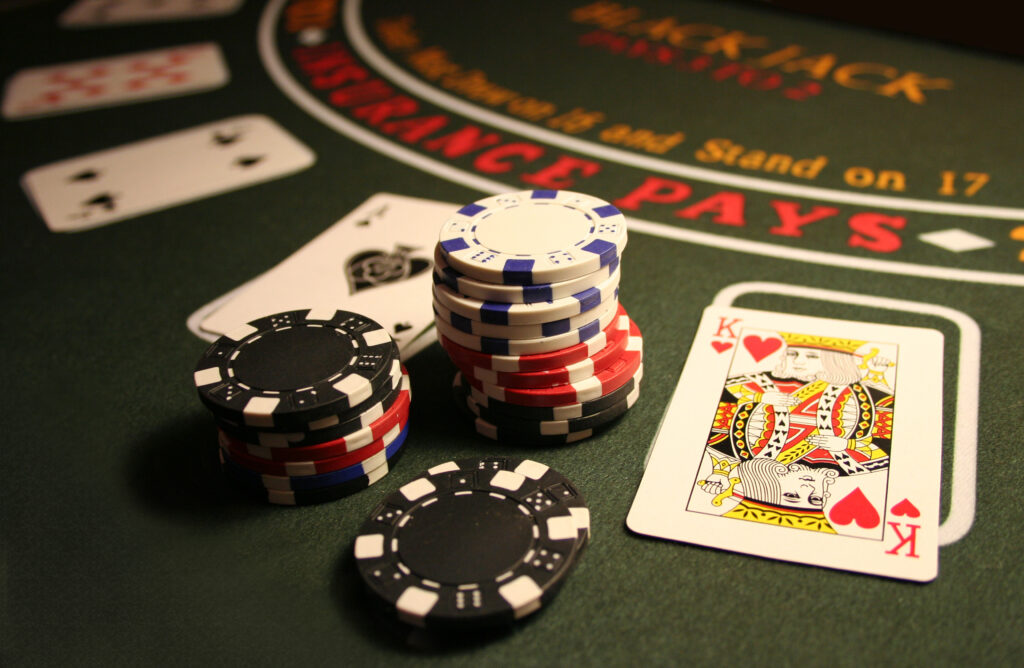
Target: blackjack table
(763, 159)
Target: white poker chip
(499, 346)
(534, 236)
(531, 331)
(516, 294)
(502, 313)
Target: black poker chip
(323, 429)
(473, 543)
(252, 485)
(288, 369)
(504, 425)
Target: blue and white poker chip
(502, 346)
(315, 481)
(503, 313)
(517, 294)
(534, 236)
(529, 331)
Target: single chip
(517, 437)
(287, 369)
(329, 428)
(539, 330)
(572, 373)
(534, 236)
(499, 346)
(565, 412)
(600, 384)
(555, 359)
(473, 543)
(506, 428)
(518, 294)
(307, 497)
(355, 440)
(316, 480)
(334, 462)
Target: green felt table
(120, 542)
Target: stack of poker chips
(526, 306)
(473, 543)
(310, 405)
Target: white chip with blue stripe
(534, 236)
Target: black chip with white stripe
(473, 543)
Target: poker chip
(315, 466)
(534, 236)
(571, 426)
(317, 480)
(539, 361)
(311, 405)
(473, 543)
(564, 412)
(518, 294)
(325, 428)
(499, 346)
(257, 377)
(504, 313)
(529, 331)
(600, 384)
(308, 497)
(358, 437)
(571, 373)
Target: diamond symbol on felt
(956, 240)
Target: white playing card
(803, 439)
(163, 171)
(375, 261)
(86, 13)
(115, 80)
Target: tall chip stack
(526, 306)
(310, 405)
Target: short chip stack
(526, 305)
(311, 405)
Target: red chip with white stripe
(563, 375)
(538, 361)
(395, 414)
(315, 467)
(598, 385)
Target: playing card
(804, 439)
(375, 261)
(86, 13)
(100, 82)
(163, 171)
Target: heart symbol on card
(721, 346)
(905, 507)
(855, 507)
(760, 348)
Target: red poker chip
(314, 467)
(563, 375)
(598, 385)
(357, 440)
(537, 361)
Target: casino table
(763, 159)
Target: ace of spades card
(803, 439)
(375, 261)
